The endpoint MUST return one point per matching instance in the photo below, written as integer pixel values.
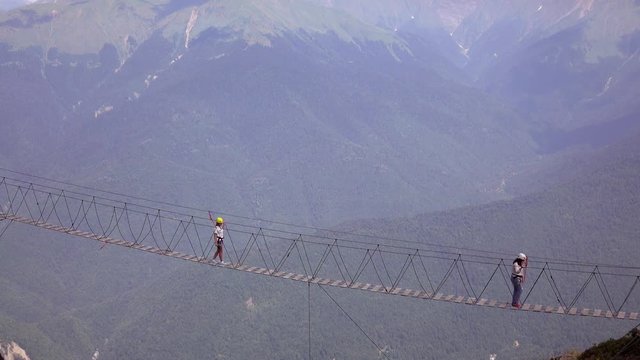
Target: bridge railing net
(316, 255)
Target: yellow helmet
(219, 220)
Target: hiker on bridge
(218, 237)
(517, 278)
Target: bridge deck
(597, 313)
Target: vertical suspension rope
(309, 314)
(418, 277)
(487, 284)
(306, 254)
(323, 258)
(346, 269)
(427, 274)
(95, 208)
(464, 270)
(380, 350)
(582, 289)
(383, 263)
(340, 268)
(11, 200)
(22, 201)
(128, 219)
(629, 293)
(403, 270)
(604, 290)
(264, 239)
(555, 288)
(304, 267)
(264, 260)
(286, 254)
(195, 229)
(54, 205)
(153, 235)
(233, 247)
(37, 201)
(446, 276)
(362, 265)
(5, 227)
(534, 284)
(373, 263)
(503, 269)
(84, 216)
(164, 239)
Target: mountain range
(505, 125)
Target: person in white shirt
(517, 277)
(218, 237)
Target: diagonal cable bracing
(87, 215)
(172, 208)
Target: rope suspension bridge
(338, 259)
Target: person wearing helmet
(218, 237)
(517, 278)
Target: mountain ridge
(125, 24)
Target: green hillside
(624, 348)
(85, 27)
(196, 312)
(308, 113)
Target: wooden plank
(338, 283)
(426, 295)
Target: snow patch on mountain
(103, 109)
(192, 22)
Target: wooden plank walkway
(597, 313)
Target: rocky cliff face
(9, 350)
